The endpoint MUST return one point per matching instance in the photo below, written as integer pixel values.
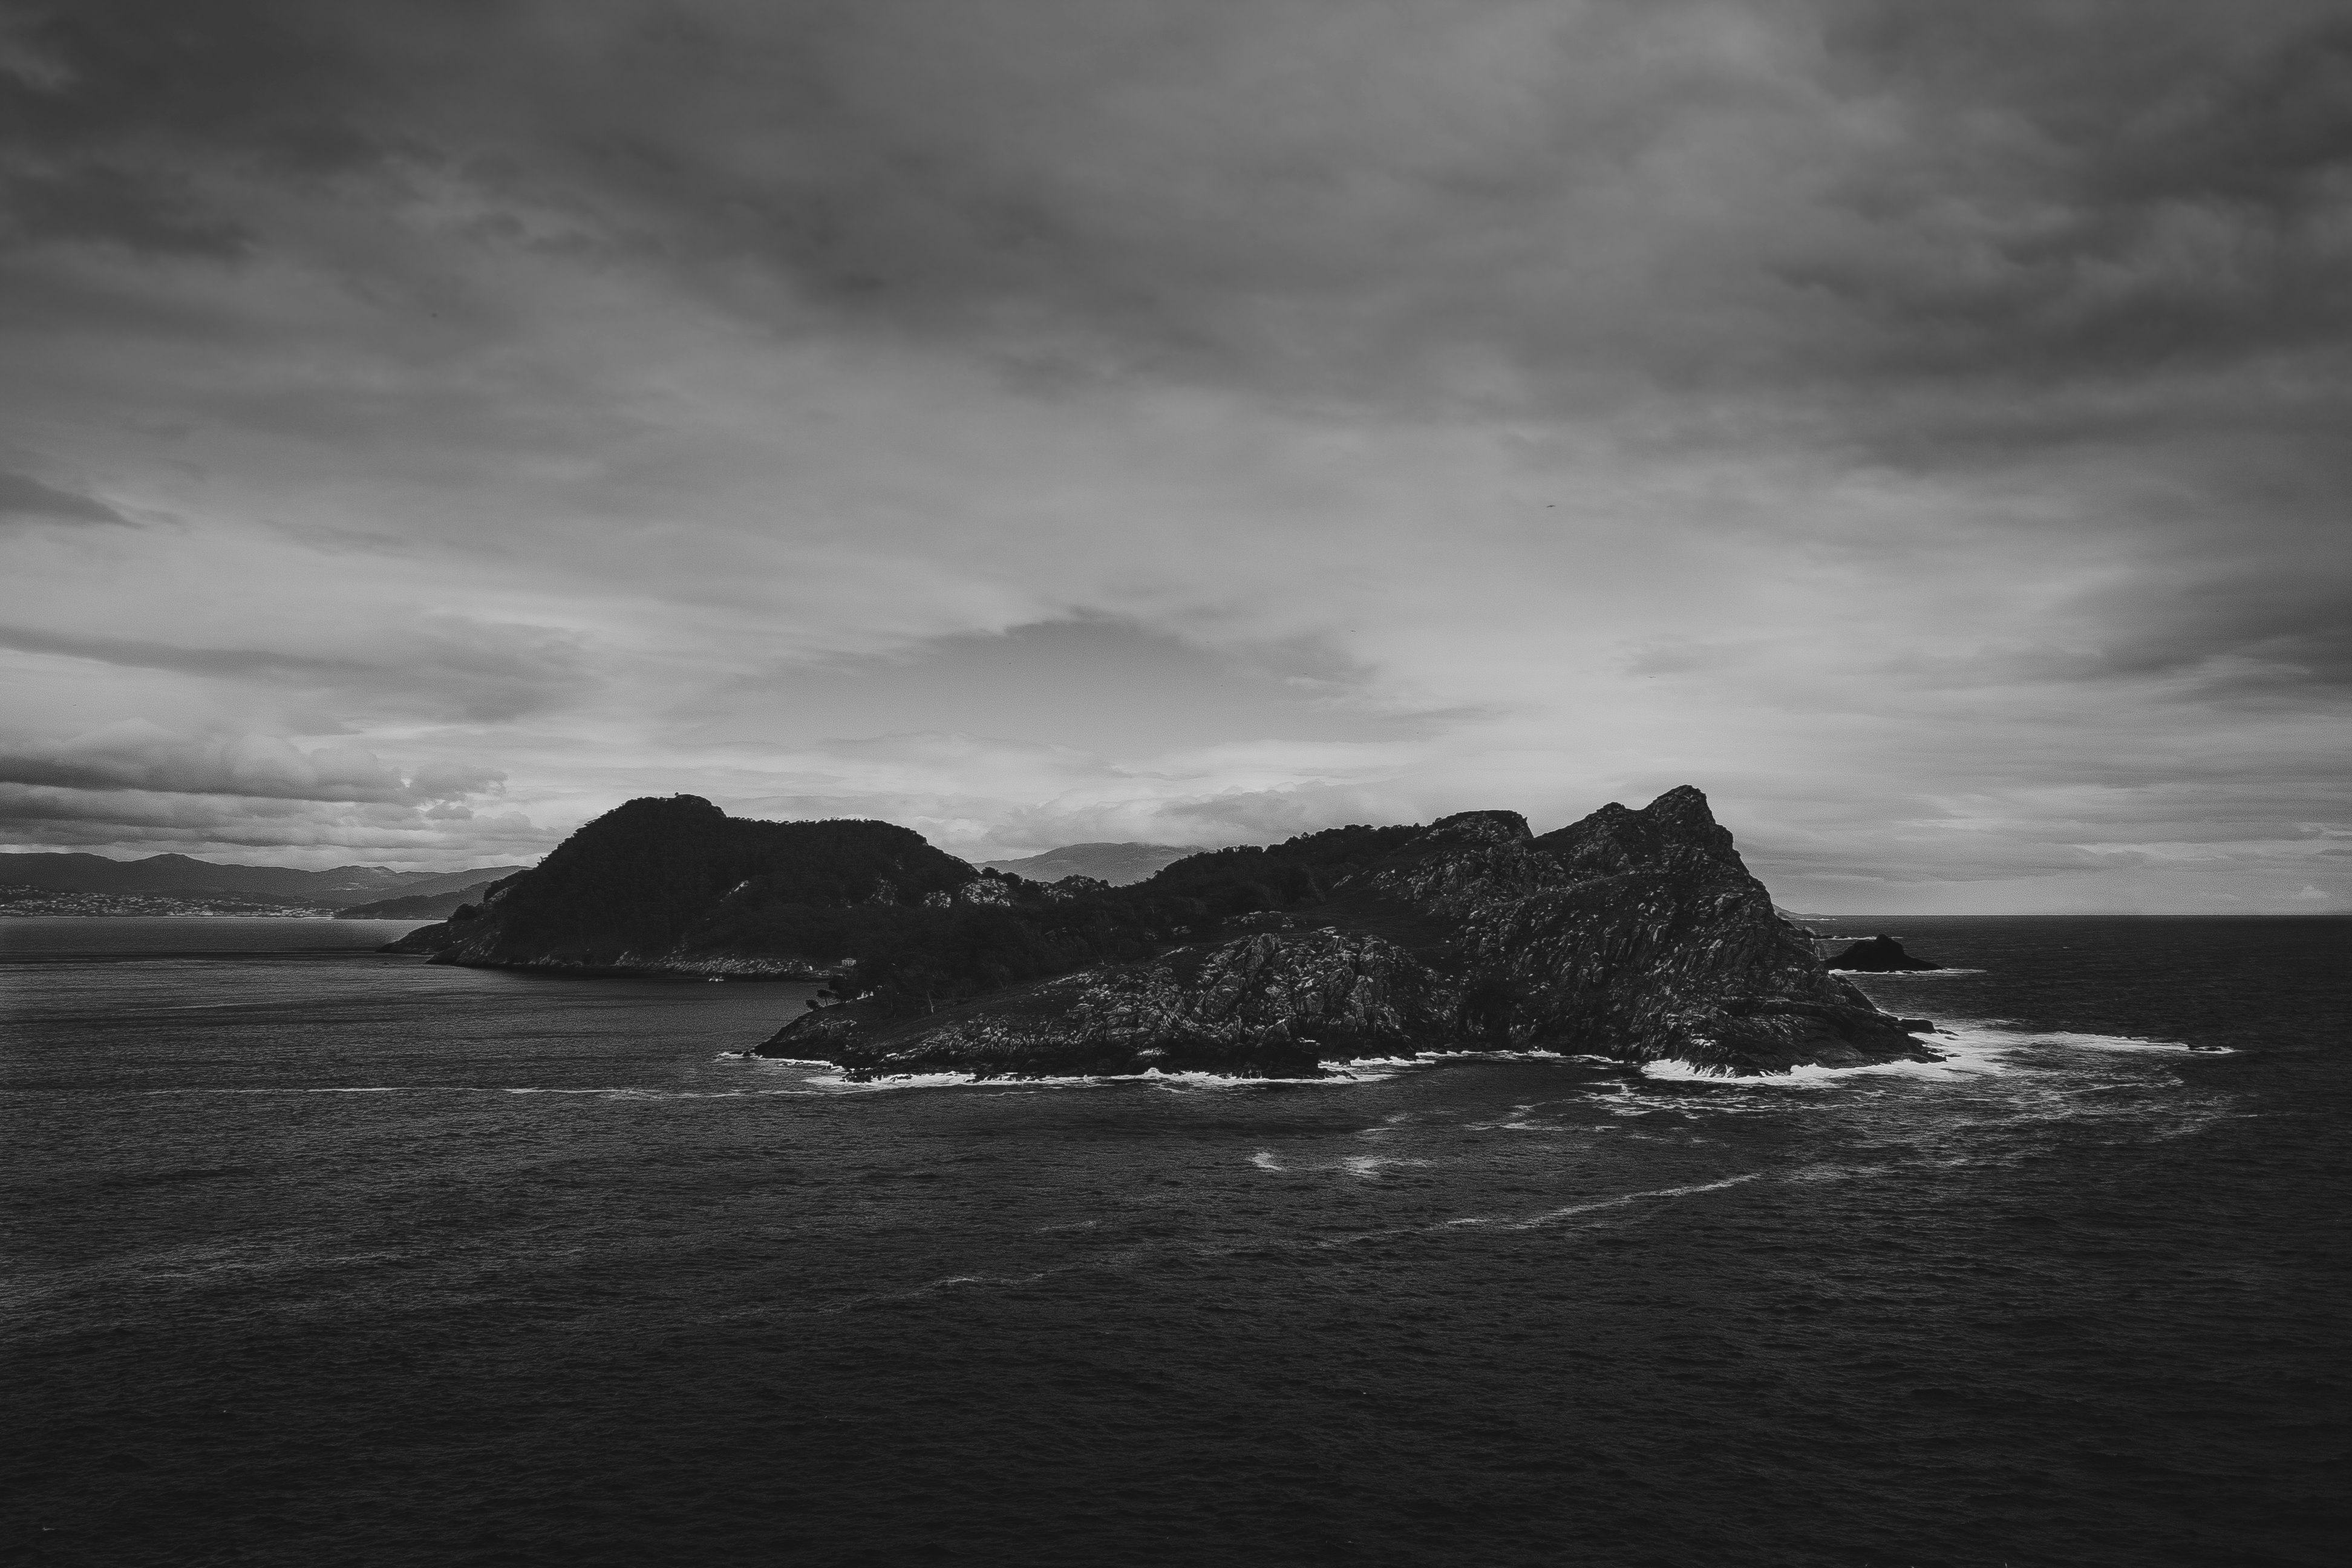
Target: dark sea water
(317, 1256)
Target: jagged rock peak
(1676, 832)
(1684, 804)
(1477, 827)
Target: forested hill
(677, 884)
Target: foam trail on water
(1532, 1222)
(1369, 1165)
(1959, 1058)
(2123, 1043)
(842, 1083)
(1969, 1050)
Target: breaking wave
(1965, 1051)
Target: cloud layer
(1919, 426)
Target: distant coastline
(75, 884)
(36, 902)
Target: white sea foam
(1371, 1164)
(842, 1083)
(1466, 1053)
(1367, 1165)
(1966, 1051)
(1954, 1062)
(1334, 1074)
(1531, 1222)
(2123, 1043)
(1334, 1078)
(930, 1287)
(1521, 1118)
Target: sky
(1926, 428)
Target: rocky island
(1878, 955)
(1638, 935)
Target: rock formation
(1633, 934)
(1878, 955)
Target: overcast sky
(1927, 427)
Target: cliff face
(1268, 1004)
(1635, 934)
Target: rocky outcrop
(1263, 1006)
(424, 942)
(1633, 934)
(1878, 955)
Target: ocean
(321, 1256)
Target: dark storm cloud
(2021, 193)
(288, 83)
(2058, 191)
(126, 819)
(24, 498)
(137, 784)
(453, 670)
(139, 212)
(2119, 186)
(144, 758)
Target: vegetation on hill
(660, 875)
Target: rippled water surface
(321, 1256)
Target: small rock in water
(1878, 955)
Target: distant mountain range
(1118, 864)
(186, 878)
